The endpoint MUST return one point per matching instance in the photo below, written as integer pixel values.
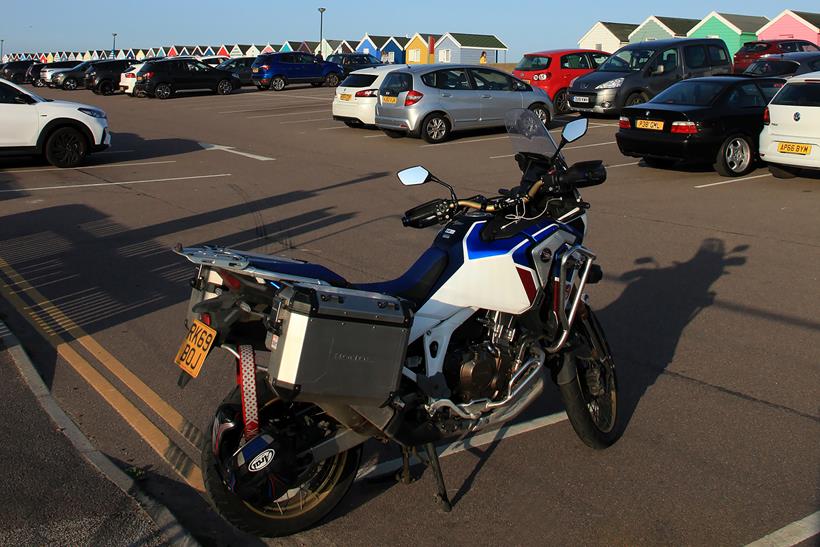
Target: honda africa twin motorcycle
(461, 342)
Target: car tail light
(412, 98)
(766, 117)
(367, 93)
(130, 75)
(147, 75)
(686, 128)
(264, 67)
(623, 123)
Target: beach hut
(329, 47)
(733, 29)
(607, 36)
(455, 47)
(50, 58)
(171, 51)
(121, 54)
(254, 50)
(139, 54)
(656, 27)
(420, 48)
(222, 50)
(393, 50)
(308, 46)
(129, 54)
(87, 55)
(372, 44)
(270, 48)
(238, 50)
(290, 45)
(44, 58)
(800, 25)
(185, 50)
(347, 46)
(207, 50)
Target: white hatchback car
(64, 132)
(790, 139)
(356, 97)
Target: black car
(74, 78)
(33, 73)
(162, 79)
(637, 72)
(103, 78)
(714, 119)
(353, 61)
(786, 64)
(241, 66)
(15, 71)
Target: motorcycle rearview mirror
(575, 129)
(413, 176)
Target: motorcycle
(462, 342)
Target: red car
(554, 70)
(751, 51)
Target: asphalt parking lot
(709, 300)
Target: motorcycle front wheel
(591, 398)
(321, 485)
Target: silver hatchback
(431, 101)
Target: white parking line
(288, 114)
(374, 136)
(262, 108)
(90, 167)
(330, 128)
(566, 148)
(794, 533)
(731, 181)
(470, 442)
(208, 147)
(307, 121)
(622, 164)
(91, 185)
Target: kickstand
(432, 456)
(404, 476)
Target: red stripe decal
(528, 282)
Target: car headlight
(611, 84)
(93, 112)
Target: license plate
(794, 148)
(580, 99)
(345, 96)
(526, 80)
(254, 70)
(388, 100)
(655, 125)
(195, 347)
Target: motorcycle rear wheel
(297, 509)
(591, 398)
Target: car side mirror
(413, 176)
(657, 70)
(575, 129)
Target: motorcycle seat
(301, 269)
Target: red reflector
(686, 128)
(623, 123)
(230, 280)
(766, 118)
(205, 318)
(367, 93)
(527, 280)
(130, 75)
(412, 98)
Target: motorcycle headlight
(93, 112)
(611, 84)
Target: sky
(525, 25)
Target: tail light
(146, 76)
(205, 318)
(543, 76)
(264, 67)
(412, 98)
(686, 128)
(766, 117)
(231, 281)
(130, 75)
(367, 93)
(623, 123)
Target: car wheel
(224, 87)
(70, 84)
(393, 134)
(781, 172)
(542, 112)
(66, 147)
(163, 91)
(39, 82)
(332, 80)
(636, 98)
(561, 102)
(659, 163)
(735, 157)
(277, 84)
(435, 128)
(106, 88)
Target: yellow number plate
(388, 100)
(254, 69)
(526, 80)
(345, 96)
(195, 348)
(655, 125)
(794, 148)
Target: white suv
(790, 139)
(62, 131)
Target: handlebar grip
(426, 214)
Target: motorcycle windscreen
(528, 134)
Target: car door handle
(486, 96)
(446, 94)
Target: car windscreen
(772, 68)
(264, 60)
(754, 47)
(533, 62)
(692, 93)
(338, 59)
(799, 94)
(359, 80)
(627, 60)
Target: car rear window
(772, 68)
(769, 89)
(690, 92)
(395, 83)
(799, 94)
(533, 62)
(754, 47)
(359, 80)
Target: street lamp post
(2, 43)
(114, 45)
(321, 25)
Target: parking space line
(288, 114)
(230, 149)
(262, 108)
(307, 121)
(622, 164)
(107, 166)
(374, 136)
(566, 148)
(127, 182)
(329, 128)
(731, 181)
(796, 532)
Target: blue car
(276, 70)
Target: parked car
(72, 78)
(15, 71)
(790, 139)
(432, 101)
(64, 132)
(49, 71)
(350, 62)
(356, 97)
(787, 64)
(128, 79)
(103, 77)
(752, 51)
(241, 66)
(277, 70)
(39, 79)
(554, 70)
(213, 60)
(162, 79)
(712, 119)
(637, 72)
(33, 73)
